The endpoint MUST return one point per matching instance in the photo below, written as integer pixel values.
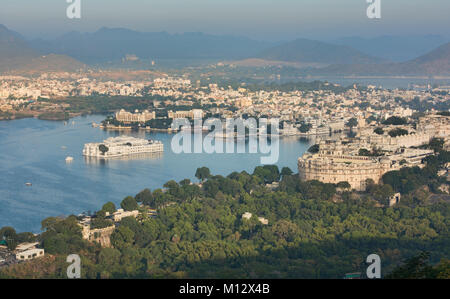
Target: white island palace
(122, 146)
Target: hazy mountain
(12, 45)
(394, 48)
(436, 62)
(310, 51)
(17, 56)
(112, 44)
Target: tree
(304, 128)
(145, 196)
(398, 132)
(437, 144)
(395, 120)
(129, 204)
(416, 267)
(100, 214)
(286, 230)
(185, 182)
(122, 237)
(268, 173)
(379, 131)
(344, 185)
(7, 232)
(202, 173)
(314, 149)
(103, 148)
(9, 235)
(285, 171)
(352, 122)
(109, 207)
(364, 152)
(108, 257)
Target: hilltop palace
(338, 161)
(122, 146)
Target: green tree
(285, 171)
(314, 149)
(202, 173)
(122, 237)
(395, 120)
(145, 196)
(103, 148)
(417, 267)
(398, 132)
(129, 204)
(379, 131)
(109, 207)
(344, 185)
(351, 123)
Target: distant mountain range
(434, 63)
(394, 48)
(310, 51)
(313, 57)
(17, 55)
(112, 44)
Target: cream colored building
(435, 125)
(141, 117)
(28, 251)
(334, 164)
(194, 113)
(120, 214)
(387, 142)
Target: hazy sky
(260, 19)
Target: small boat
(69, 159)
(28, 184)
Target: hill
(112, 44)
(394, 48)
(12, 45)
(310, 51)
(434, 63)
(16, 56)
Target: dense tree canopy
(313, 230)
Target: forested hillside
(313, 230)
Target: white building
(120, 214)
(122, 146)
(28, 251)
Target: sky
(271, 20)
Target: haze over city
(259, 19)
(254, 140)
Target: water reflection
(134, 157)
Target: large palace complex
(338, 161)
(122, 146)
(140, 117)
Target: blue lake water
(34, 151)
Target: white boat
(69, 159)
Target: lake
(34, 151)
